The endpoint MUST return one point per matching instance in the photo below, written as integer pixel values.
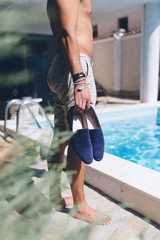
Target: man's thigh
(59, 116)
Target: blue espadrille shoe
(80, 141)
(96, 134)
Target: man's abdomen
(85, 39)
(86, 46)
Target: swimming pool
(133, 135)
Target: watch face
(80, 88)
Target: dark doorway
(123, 23)
(34, 60)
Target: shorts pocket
(57, 81)
(51, 84)
(85, 67)
(56, 76)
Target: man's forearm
(71, 46)
(69, 14)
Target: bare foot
(66, 201)
(90, 215)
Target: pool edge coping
(145, 200)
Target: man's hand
(82, 98)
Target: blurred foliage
(25, 211)
(19, 15)
(12, 50)
(11, 44)
(12, 79)
(49, 109)
(24, 208)
(17, 18)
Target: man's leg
(84, 212)
(58, 159)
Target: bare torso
(83, 31)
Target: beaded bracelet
(80, 80)
(79, 83)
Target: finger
(88, 105)
(84, 105)
(91, 102)
(78, 109)
(76, 103)
(80, 106)
(75, 108)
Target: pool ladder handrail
(27, 103)
(24, 103)
(9, 104)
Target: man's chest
(85, 6)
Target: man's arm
(69, 12)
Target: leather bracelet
(78, 76)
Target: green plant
(24, 209)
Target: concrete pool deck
(123, 183)
(125, 225)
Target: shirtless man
(72, 30)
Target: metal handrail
(10, 103)
(27, 103)
(24, 103)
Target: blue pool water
(133, 135)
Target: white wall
(134, 23)
(131, 55)
(103, 67)
(107, 27)
(103, 63)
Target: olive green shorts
(61, 84)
